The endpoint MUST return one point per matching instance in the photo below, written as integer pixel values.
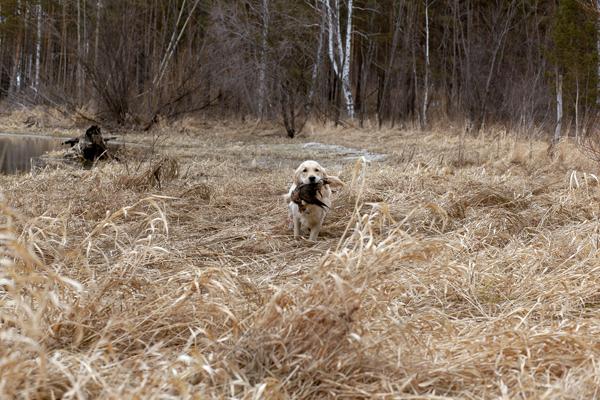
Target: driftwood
(91, 146)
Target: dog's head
(309, 172)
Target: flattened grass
(459, 267)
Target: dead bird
(307, 193)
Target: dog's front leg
(314, 233)
(290, 219)
(296, 226)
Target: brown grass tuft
(466, 269)
(153, 176)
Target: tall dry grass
(461, 267)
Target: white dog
(306, 214)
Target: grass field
(459, 267)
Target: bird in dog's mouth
(306, 193)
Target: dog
(309, 197)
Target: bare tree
(598, 50)
(97, 33)
(504, 21)
(79, 75)
(382, 101)
(426, 78)
(38, 44)
(175, 39)
(318, 60)
(395, 60)
(262, 66)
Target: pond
(17, 151)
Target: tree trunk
(330, 33)
(577, 108)
(412, 108)
(499, 45)
(346, 69)
(380, 85)
(38, 45)
(175, 38)
(363, 79)
(288, 108)
(317, 65)
(358, 100)
(426, 77)
(454, 96)
(16, 79)
(79, 73)
(382, 99)
(343, 50)
(97, 33)
(559, 107)
(62, 67)
(262, 68)
(598, 51)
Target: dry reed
(463, 268)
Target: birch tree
(559, 106)
(340, 51)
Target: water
(16, 151)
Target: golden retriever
(309, 215)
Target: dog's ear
(334, 181)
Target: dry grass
(461, 267)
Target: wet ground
(21, 153)
(289, 155)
